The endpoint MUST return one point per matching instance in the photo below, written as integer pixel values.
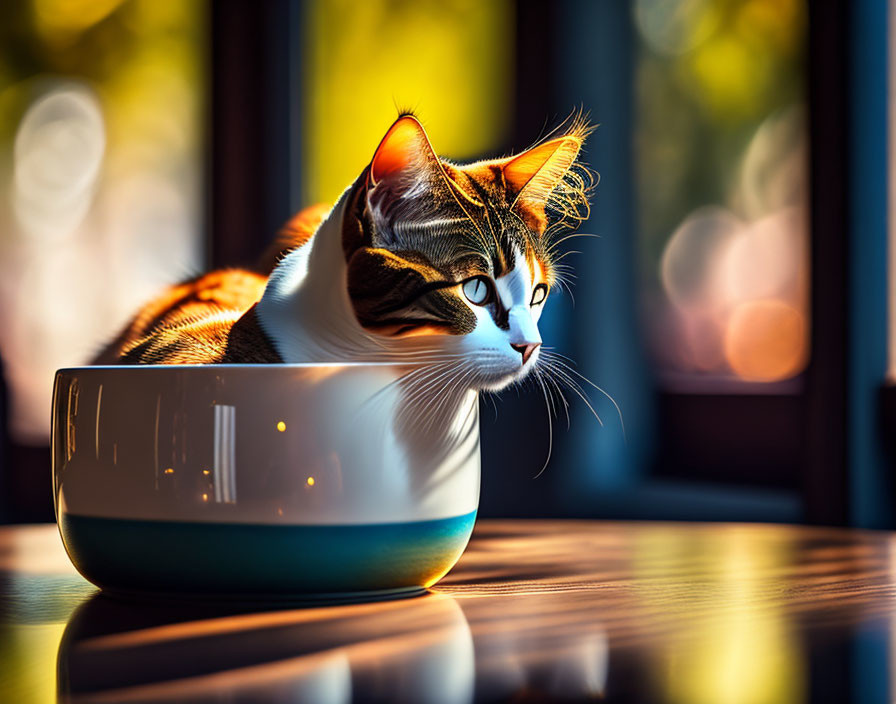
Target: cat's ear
(407, 181)
(532, 176)
(405, 149)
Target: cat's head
(463, 258)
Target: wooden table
(535, 610)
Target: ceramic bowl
(282, 481)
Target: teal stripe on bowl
(178, 557)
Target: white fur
(305, 309)
(489, 345)
(307, 313)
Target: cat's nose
(526, 349)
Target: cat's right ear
(404, 151)
(532, 176)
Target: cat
(420, 260)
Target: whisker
(575, 388)
(550, 354)
(424, 383)
(447, 397)
(488, 395)
(555, 387)
(550, 430)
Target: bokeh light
(768, 260)
(61, 21)
(722, 163)
(692, 264)
(57, 156)
(773, 172)
(739, 293)
(673, 28)
(100, 192)
(766, 340)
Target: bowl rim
(273, 365)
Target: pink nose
(526, 349)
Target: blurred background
(733, 303)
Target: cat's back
(209, 319)
(188, 323)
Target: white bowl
(261, 480)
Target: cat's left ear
(404, 150)
(532, 176)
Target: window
(102, 195)
(722, 190)
(451, 61)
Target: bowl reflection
(431, 649)
(407, 651)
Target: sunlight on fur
(440, 267)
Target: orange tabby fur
(407, 284)
(200, 313)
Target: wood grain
(535, 610)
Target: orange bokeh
(765, 340)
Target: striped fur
(387, 266)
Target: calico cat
(420, 260)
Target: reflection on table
(535, 610)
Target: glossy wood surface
(534, 611)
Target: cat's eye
(539, 294)
(478, 290)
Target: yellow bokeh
(60, 21)
(448, 60)
(730, 77)
(777, 23)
